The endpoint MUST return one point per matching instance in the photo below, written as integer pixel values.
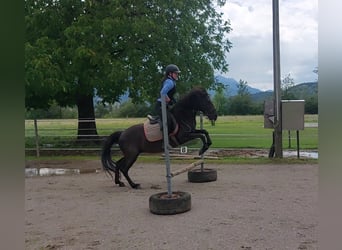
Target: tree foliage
(243, 88)
(242, 102)
(220, 102)
(76, 48)
(286, 84)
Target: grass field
(228, 132)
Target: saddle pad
(152, 131)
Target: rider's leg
(158, 112)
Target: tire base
(199, 176)
(162, 204)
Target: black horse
(133, 141)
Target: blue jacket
(168, 88)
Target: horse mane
(187, 99)
(196, 89)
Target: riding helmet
(171, 68)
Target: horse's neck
(186, 116)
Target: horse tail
(107, 163)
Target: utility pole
(278, 138)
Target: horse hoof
(121, 184)
(136, 186)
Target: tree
(220, 102)
(128, 109)
(286, 84)
(76, 48)
(311, 105)
(241, 104)
(243, 88)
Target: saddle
(153, 131)
(156, 119)
(153, 119)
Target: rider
(168, 88)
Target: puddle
(306, 154)
(31, 172)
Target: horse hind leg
(110, 167)
(117, 178)
(124, 165)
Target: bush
(129, 109)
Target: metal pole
(298, 144)
(201, 126)
(271, 153)
(166, 144)
(276, 79)
(37, 137)
(289, 137)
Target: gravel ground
(248, 207)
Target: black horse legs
(117, 174)
(205, 132)
(205, 138)
(124, 165)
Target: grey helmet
(171, 68)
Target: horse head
(200, 100)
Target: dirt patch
(240, 153)
(248, 207)
(65, 164)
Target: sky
(251, 57)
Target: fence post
(37, 137)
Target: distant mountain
(231, 86)
(305, 90)
(262, 96)
(301, 91)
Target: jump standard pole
(166, 145)
(168, 203)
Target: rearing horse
(133, 141)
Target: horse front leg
(203, 137)
(205, 132)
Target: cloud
(251, 58)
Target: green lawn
(228, 132)
(249, 132)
